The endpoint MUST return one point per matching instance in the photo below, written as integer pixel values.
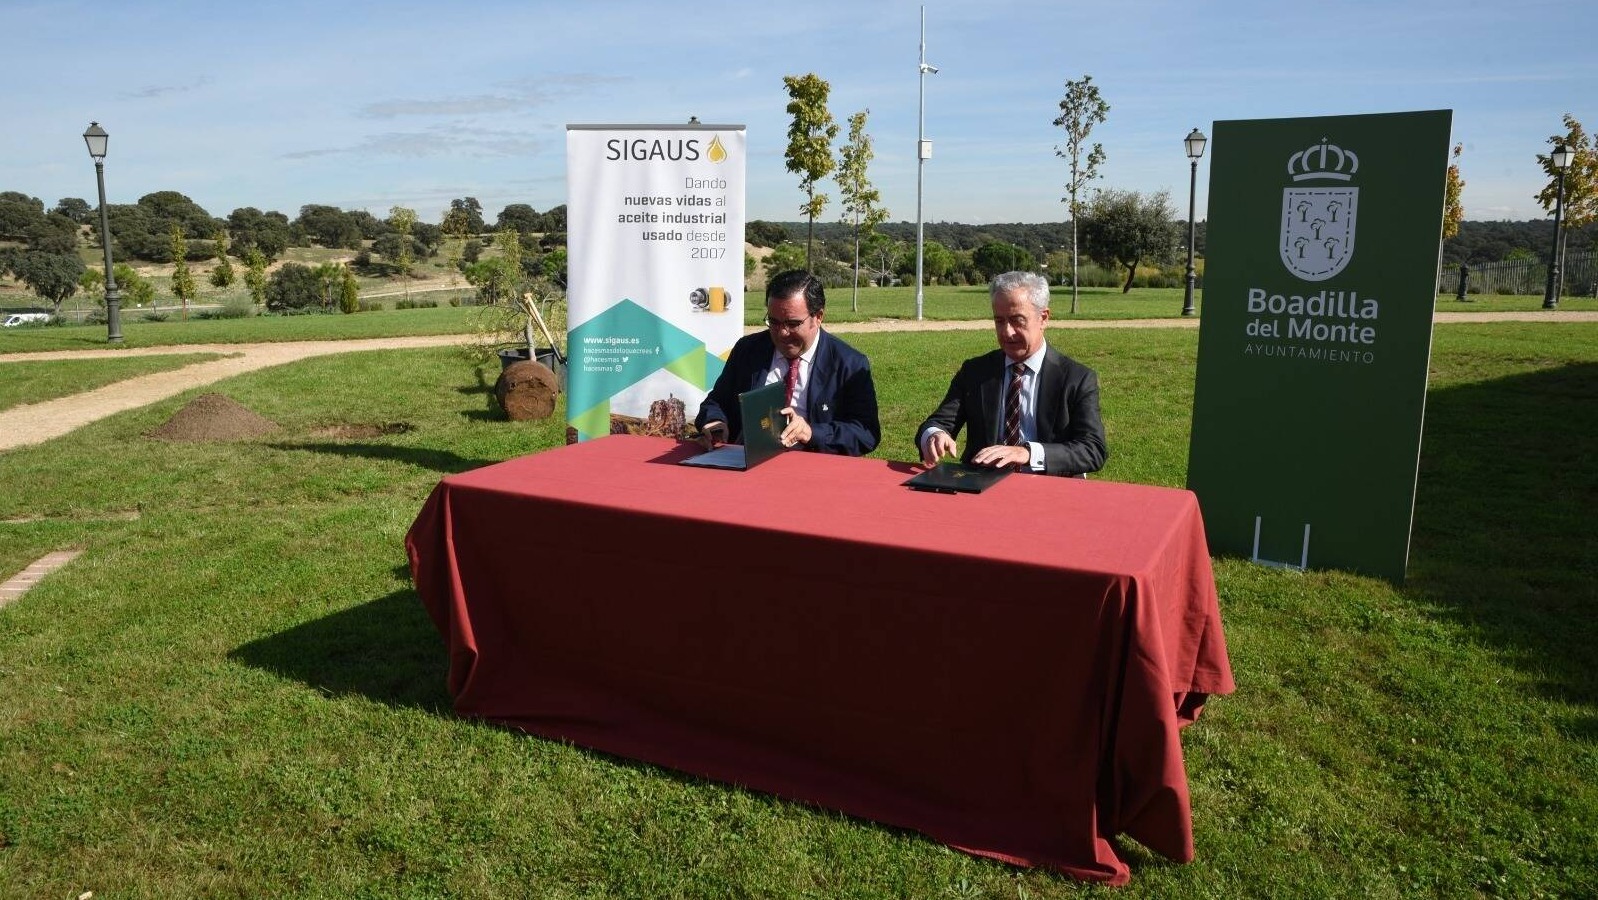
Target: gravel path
(38, 422)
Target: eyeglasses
(790, 324)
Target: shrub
(293, 286)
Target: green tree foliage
(293, 286)
(143, 230)
(349, 291)
(267, 232)
(995, 257)
(222, 274)
(785, 256)
(1125, 228)
(92, 282)
(75, 208)
(403, 221)
(255, 274)
(810, 137)
(329, 226)
(520, 218)
(764, 234)
(1581, 178)
(937, 262)
(1453, 190)
(464, 217)
(330, 276)
(52, 276)
(1080, 110)
(19, 214)
(860, 199)
(135, 288)
(183, 286)
(552, 266)
(53, 233)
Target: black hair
(785, 284)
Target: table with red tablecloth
(1005, 672)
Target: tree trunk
(1131, 273)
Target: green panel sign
(1320, 274)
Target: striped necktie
(1012, 406)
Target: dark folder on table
(957, 478)
(763, 424)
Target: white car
(15, 319)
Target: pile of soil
(214, 417)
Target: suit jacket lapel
(820, 366)
(1051, 385)
(995, 389)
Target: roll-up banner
(1320, 280)
(655, 238)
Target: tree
(465, 217)
(53, 276)
(329, 226)
(1453, 187)
(222, 273)
(995, 257)
(53, 233)
(809, 151)
(764, 234)
(19, 213)
(860, 199)
(76, 209)
(267, 232)
(403, 220)
(255, 274)
(1581, 177)
(135, 287)
(330, 276)
(1080, 110)
(1125, 228)
(518, 217)
(182, 279)
(293, 286)
(349, 291)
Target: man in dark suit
(1027, 406)
(832, 401)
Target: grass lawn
(223, 705)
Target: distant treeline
(1475, 244)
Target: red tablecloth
(1005, 672)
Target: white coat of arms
(1318, 222)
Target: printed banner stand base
(1303, 560)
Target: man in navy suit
(832, 401)
(1027, 406)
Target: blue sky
(371, 105)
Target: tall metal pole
(1192, 233)
(1551, 292)
(923, 150)
(113, 297)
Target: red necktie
(793, 378)
(1012, 406)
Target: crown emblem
(1323, 161)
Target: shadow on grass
(386, 649)
(1503, 531)
(445, 461)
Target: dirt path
(38, 422)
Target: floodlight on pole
(1561, 159)
(98, 141)
(923, 153)
(1194, 142)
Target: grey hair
(1035, 286)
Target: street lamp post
(923, 153)
(1194, 142)
(97, 140)
(1561, 158)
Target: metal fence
(1579, 275)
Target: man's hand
(713, 435)
(1001, 455)
(797, 434)
(937, 445)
